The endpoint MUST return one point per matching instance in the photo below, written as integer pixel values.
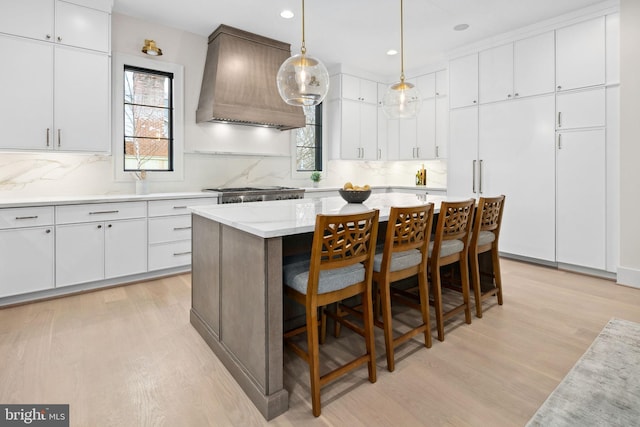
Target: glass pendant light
(402, 100)
(303, 80)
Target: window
(308, 139)
(148, 120)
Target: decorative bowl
(354, 196)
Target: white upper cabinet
(82, 27)
(580, 55)
(463, 81)
(496, 73)
(59, 21)
(534, 65)
(26, 116)
(442, 83)
(613, 48)
(522, 68)
(426, 84)
(358, 89)
(82, 113)
(33, 18)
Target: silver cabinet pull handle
(27, 217)
(379, 153)
(48, 230)
(100, 226)
(559, 119)
(182, 253)
(48, 132)
(480, 176)
(59, 138)
(474, 176)
(181, 228)
(59, 38)
(103, 212)
(437, 151)
(559, 141)
(179, 207)
(48, 36)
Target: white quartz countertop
(289, 217)
(103, 198)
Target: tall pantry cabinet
(529, 122)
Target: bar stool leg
(423, 288)
(437, 301)
(464, 272)
(314, 360)
(385, 294)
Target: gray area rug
(603, 388)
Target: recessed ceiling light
(461, 27)
(286, 14)
(392, 52)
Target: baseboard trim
(629, 277)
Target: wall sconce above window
(150, 48)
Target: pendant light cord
(303, 49)
(401, 39)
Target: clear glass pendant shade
(303, 81)
(401, 101)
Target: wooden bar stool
(451, 245)
(405, 255)
(486, 231)
(341, 266)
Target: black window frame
(317, 140)
(171, 124)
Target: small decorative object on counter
(354, 193)
(141, 182)
(315, 177)
(421, 176)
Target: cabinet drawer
(169, 255)
(581, 109)
(177, 206)
(26, 217)
(169, 229)
(100, 212)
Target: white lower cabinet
(88, 250)
(26, 250)
(581, 198)
(170, 232)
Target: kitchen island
(237, 295)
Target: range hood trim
(239, 81)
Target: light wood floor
(128, 356)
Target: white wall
(629, 271)
(43, 174)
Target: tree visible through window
(148, 120)
(309, 141)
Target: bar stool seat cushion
(449, 247)
(296, 276)
(485, 237)
(399, 260)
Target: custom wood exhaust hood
(239, 81)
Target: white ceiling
(357, 33)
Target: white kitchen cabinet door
(580, 109)
(534, 65)
(442, 83)
(369, 131)
(357, 89)
(125, 247)
(382, 135)
(496, 74)
(393, 139)
(33, 18)
(426, 85)
(79, 253)
(82, 101)
(442, 127)
(581, 198)
(580, 55)
(516, 158)
(350, 130)
(81, 26)
(408, 136)
(613, 48)
(26, 260)
(26, 116)
(463, 81)
(426, 130)
(463, 153)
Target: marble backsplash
(24, 175)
